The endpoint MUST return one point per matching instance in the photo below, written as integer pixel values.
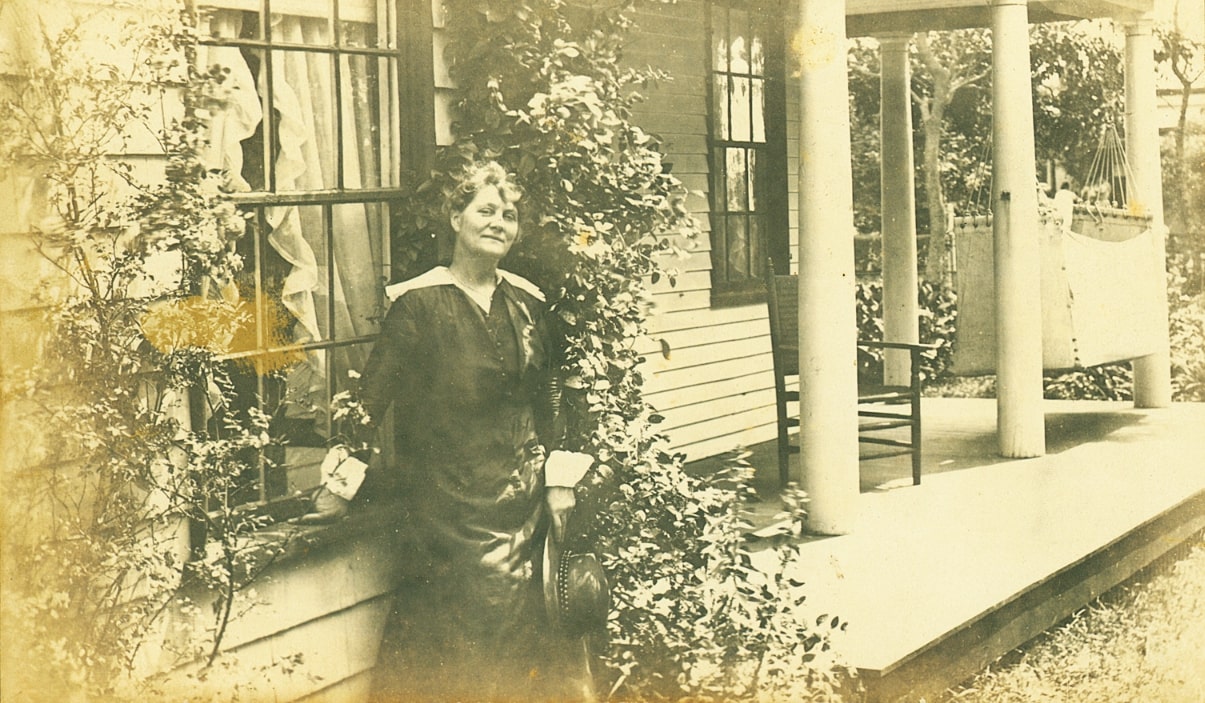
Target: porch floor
(939, 579)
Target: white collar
(442, 276)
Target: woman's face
(487, 227)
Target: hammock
(1102, 278)
(1100, 291)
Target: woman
(464, 362)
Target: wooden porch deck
(940, 579)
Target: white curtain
(305, 159)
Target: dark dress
(469, 394)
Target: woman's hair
(481, 175)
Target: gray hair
(477, 177)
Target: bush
(1108, 382)
(938, 313)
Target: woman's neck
(475, 273)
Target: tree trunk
(937, 252)
(933, 121)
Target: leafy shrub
(938, 315)
(695, 615)
(110, 477)
(1186, 325)
(1107, 382)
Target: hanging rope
(981, 196)
(1110, 175)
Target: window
(748, 147)
(310, 132)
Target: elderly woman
(464, 361)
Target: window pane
(741, 109)
(303, 100)
(756, 257)
(758, 101)
(365, 123)
(738, 248)
(358, 269)
(720, 56)
(719, 245)
(758, 57)
(358, 23)
(751, 155)
(719, 180)
(737, 181)
(300, 429)
(312, 17)
(739, 53)
(236, 137)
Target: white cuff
(342, 473)
(565, 469)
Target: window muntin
(318, 181)
(743, 144)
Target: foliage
(542, 89)
(938, 315)
(864, 104)
(1186, 325)
(1184, 58)
(96, 523)
(1077, 90)
(1107, 382)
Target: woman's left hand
(560, 500)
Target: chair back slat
(782, 304)
(783, 308)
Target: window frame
(408, 53)
(772, 195)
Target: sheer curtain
(329, 294)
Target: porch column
(900, 312)
(1020, 425)
(1152, 374)
(828, 383)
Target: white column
(1152, 374)
(900, 314)
(828, 383)
(1020, 425)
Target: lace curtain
(327, 294)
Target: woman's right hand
(561, 501)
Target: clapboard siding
(733, 405)
(688, 337)
(688, 389)
(681, 399)
(325, 600)
(724, 433)
(684, 319)
(716, 387)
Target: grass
(1143, 641)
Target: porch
(937, 580)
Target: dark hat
(576, 593)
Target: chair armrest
(895, 345)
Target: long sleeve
(385, 373)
